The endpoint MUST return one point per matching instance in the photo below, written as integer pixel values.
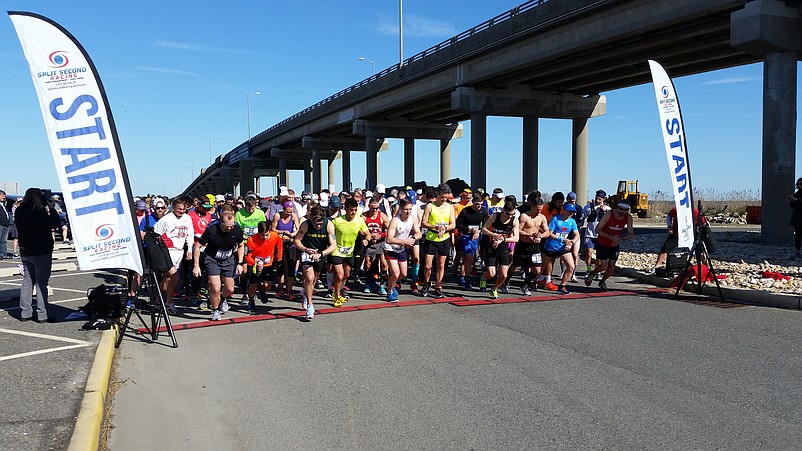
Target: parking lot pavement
(43, 367)
(634, 371)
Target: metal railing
(495, 21)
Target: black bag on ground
(104, 302)
(156, 251)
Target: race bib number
(537, 259)
(346, 250)
(305, 257)
(222, 255)
(250, 231)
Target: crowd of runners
(383, 241)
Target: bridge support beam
(579, 155)
(245, 176)
(346, 169)
(409, 161)
(330, 178)
(771, 29)
(317, 170)
(530, 153)
(372, 162)
(479, 151)
(307, 175)
(282, 172)
(227, 180)
(445, 160)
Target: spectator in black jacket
(795, 202)
(35, 218)
(5, 223)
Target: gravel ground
(740, 257)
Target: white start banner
(676, 151)
(84, 143)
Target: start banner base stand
(155, 306)
(699, 273)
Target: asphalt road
(625, 372)
(43, 367)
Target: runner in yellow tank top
(438, 222)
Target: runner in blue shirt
(563, 235)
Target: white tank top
(402, 231)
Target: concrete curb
(86, 435)
(751, 297)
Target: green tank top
(249, 222)
(438, 216)
(316, 239)
(346, 233)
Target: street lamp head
(361, 58)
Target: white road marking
(76, 344)
(72, 290)
(84, 299)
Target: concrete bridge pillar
(779, 144)
(445, 160)
(317, 171)
(409, 161)
(530, 153)
(346, 169)
(372, 163)
(307, 174)
(332, 186)
(282, 172)
(245, 176)
(770, 28)
(479, 151)
(579, 154)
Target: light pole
(401, 33)
(249, 112)
(372, 64)
(210, 148)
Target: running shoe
(304, 302)
(392, 296)
(310, 310)
(525, 290)
(245, 300)
(493, 294)
(366, 288)
(216, 315)
(414, 288)
(424, 291)
(264, 298)
(382, 290)
(462, 280)
(171, 308)
(603, 286)
(467, 284)
(504, 289)
(574, 279)
(251, 307)
(224, 306)
(482, 284)
(319, 285)
(551, 287)
(588, 279)
(438, 293)
(204, 306)
(563, 290)
(338, 301)
(329, 294)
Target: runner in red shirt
(610, 231)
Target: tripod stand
(156, 306)
(703, 261)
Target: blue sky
(177, 75)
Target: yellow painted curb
(86, 435)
